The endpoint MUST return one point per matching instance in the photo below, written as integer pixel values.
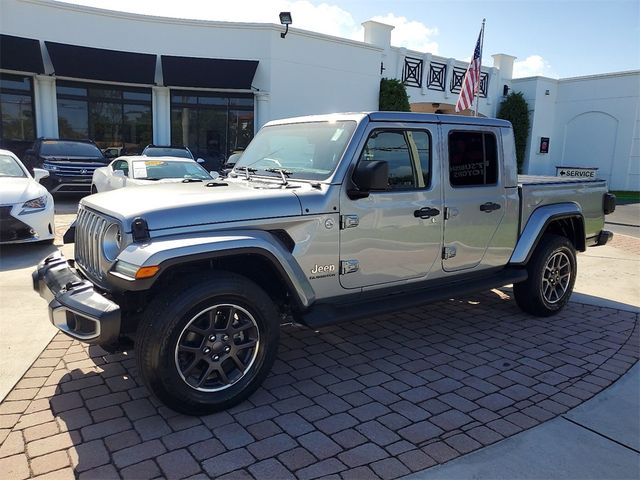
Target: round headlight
(112, 242)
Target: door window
(408, 154)
(121, 165)
(473, 159)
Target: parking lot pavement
(378, 398)
(24, 328)
(625, 220)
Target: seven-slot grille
(90, 228)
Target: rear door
(474, 195)
(394, 235)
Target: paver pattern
(378, 398)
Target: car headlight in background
(50, 167)
(34, 205)
(112, 242)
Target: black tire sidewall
(160, 370)
(552, 244)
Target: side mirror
(214, 175)
(39, 174)
(368, 177)
(200, 160)
(118, 173)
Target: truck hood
(166, 206)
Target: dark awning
(100, 64)
(208, 72)
(21, 54)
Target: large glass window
(213, 126)
(114, 117)
(18, 127)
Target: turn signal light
(147, 272)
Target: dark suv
(70, 163)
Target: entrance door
(474, 196)
(394, 235)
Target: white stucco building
(125, 80)
(591, 121)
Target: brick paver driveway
(375, 398)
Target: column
(46, 106)
(262, 112)
(161, 108)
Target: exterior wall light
(505, 90)
(285, 19)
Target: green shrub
(515, 109)
(393, 96)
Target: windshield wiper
(189, 180)
(283, 173)
(155, 179)
(247, 171)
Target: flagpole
(480, 67)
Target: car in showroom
(70, 163)
(26, 207)
(137, 171)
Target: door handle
(489, 207)
(426, 212)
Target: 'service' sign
(577, 172)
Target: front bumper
(75, 307)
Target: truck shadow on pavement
(384, 397)
(18, 256)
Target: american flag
(471, 81)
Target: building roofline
(61, 4)
(626, 73)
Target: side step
(323, 314)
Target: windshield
(159, 169)
(308, 151)
(56, 148)
(10, 168)
(167, 152)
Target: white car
(139, 171)
(26, 207)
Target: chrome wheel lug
(216, 357)
(206, 350)
(212, 338)
(225, 338)
(227, 349)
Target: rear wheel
(552, 274)
(209, 346)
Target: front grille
(11, 228)
(90, 227)
(73, 171)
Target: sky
(553, 38)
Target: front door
(474, 195)
(394, 235)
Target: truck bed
(537, 191)
(544, 180)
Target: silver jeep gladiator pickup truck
(323, 219)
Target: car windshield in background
(56, 148)
(159, 169)
(10, 168)
(167, 152)
(307, 151)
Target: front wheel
(209, 346)
(552, 274)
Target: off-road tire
(530, 294)
(166, 319)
